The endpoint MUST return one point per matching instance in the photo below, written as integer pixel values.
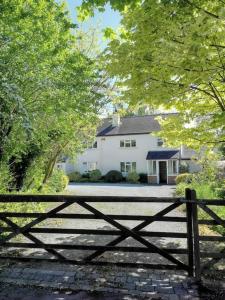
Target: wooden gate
(9, 230)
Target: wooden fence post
(189, 212)
(197, 265)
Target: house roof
(130, 125)
(163, 154)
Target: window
(89, 166)
(159, 142)
(92, 145)
(126, 167)
(92, 166)
(95, 145)
(172, 167)
(127, 143)
(122, 143)
(152, 167)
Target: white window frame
(172, 167)
(129, 166)
(152, 168)
(128, 143)
(88, 166)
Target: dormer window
(159, 142)
(127, 143)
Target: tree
(171, 54)
(50, 91)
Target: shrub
(143, 178)
(86, 175)
(113, 176)
(5, 178)
(184, 178)
(220, 193)
(74, 177)
(180, 189)
(58, 181)
(133, 177)
(95, 175)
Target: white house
(126, 144)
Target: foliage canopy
(50, 91)
(171, 55)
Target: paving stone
(165, 290)
(174, 297)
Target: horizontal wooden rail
(98, 232)
(92, 247)
(70, 198)
(92, 216)
(8, 198)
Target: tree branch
(204, 10)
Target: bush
(184, 178)
(86, 176)
(113, 176)
(5, 178)
(220, 193)
(58, 181)
(95, 175)
(143, 178)
(180, 189)
(133, 177)
(74, 177)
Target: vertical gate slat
(189, 233)
(197, 263)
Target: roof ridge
(137, 116)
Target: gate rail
(193, 253)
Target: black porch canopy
(163, 154)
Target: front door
(162, 172)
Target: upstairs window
(127, 143)
(92, 145)
(159, 142)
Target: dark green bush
(75, 177)
(86, 175)
(143, 178)
(113, 176)
(220, 193)
(95, 175)
(184, 178)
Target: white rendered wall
(109, 154)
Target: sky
(109, 18)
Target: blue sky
(109, 18)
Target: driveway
(104, 189)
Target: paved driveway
(104, 189)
